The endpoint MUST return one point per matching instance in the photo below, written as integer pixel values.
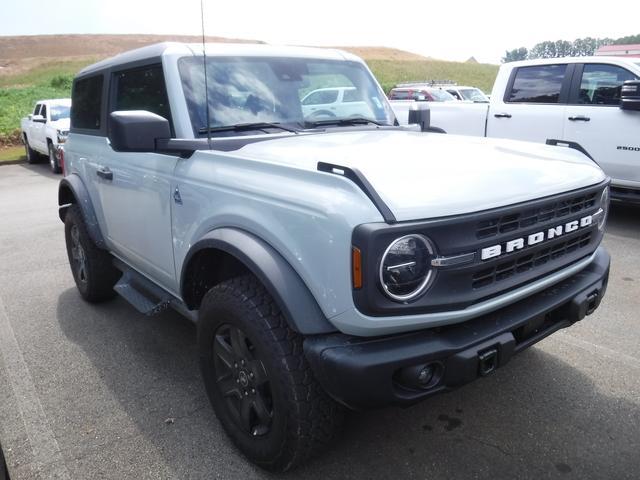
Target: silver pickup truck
(330, 260)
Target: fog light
(420, 377)
(426, 375)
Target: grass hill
(36, 67)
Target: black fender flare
(74, 185)
(296, 302)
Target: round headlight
(604, 205)
(405, 269)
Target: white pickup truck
(45, 129)
(575, 102)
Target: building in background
(619, 50)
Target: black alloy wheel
(242, 380)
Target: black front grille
(459, 286)
(532, 216)
(528, 261)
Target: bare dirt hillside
(383, 53)
(24, 53)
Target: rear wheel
(30, 153)
(92, 267)
(258, 380)
(53, 159)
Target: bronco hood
(427, 175)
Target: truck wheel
(30, 153)
(53, 159)
(258, 380)
(4, 473)
(91, 266)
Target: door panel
(136, 202)
(135, 188)
(533, 108)
(595, 121)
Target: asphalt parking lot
(103, 392)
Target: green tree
(515, 55)
(627, 40)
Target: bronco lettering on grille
(535, 238)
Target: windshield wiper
(344, 122)
(243, 127)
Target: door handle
(104, 172)
(580, 118)
(502, 115)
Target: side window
(36, 110)
(43, 111)
(537, 84)
(142, 89)
(400, 95)
(352, 95)
(455, 94)
(87, 103)
(601, 84)
(321, 97)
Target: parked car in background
(588, 103)
(45, 129)
(420, 93)
(334, 102)
(463, 93)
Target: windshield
(59, 112)
(473, 94)
(292, 92)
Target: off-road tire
(53, 160)
(30, 153)
(92, 267)
(4, 472)
(304, 419)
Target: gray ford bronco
(330, 258)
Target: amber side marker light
(356, 267)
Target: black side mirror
(420, 115)
(137, 130)
(630, 95)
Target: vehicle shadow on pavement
(624, 220)
(41, 168)
(538, 417)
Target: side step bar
(145, 296)
(149, 303)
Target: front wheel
(258, 380)
(53, 159)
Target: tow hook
(592, 302)
(487, 362)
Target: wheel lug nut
(250, 374)
(235, 365)
(242, 363)
(253, 391)
(237, 380)
(246, 393)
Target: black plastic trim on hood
(357, 177)
(568, 144)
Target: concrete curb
(12, 162)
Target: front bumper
(371, 372)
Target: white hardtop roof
(219, 49)
(593, 59)
(56, 101)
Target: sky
(448, 30)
